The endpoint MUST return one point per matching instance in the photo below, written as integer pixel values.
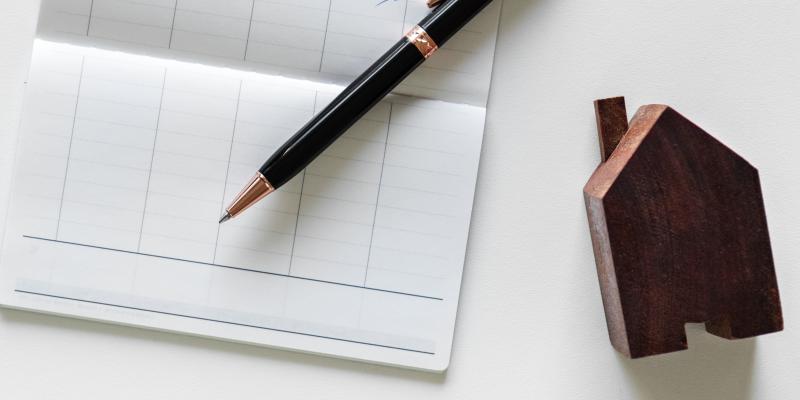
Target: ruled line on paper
(223, 322)
(255, 271)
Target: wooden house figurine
(679, 233)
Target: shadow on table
(712, 368)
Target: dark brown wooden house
(679, 233)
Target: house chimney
(612, 124)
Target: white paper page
(320, 40)
(125, 163)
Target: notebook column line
(69, 147)
(89, 22)
(325, 38)
(378, 196)
(228, 171)
(405, 17)
(300, 200)
(152, 158)
(249, 28)
(172, 27)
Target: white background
(531, 321)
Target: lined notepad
(143, 118)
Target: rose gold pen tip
(225, 217)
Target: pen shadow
(140, 336)
(712, 368)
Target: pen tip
(225, 217)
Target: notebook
(143, 118)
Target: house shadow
(712, 368)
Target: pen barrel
(367, 90)
(347, 108)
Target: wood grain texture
(612, 124)
(679, 233)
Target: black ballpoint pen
(356, 100)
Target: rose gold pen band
(424, 43)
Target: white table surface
(531, 321)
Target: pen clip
(433, 3)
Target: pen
(356, 100)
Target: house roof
(658, 133)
